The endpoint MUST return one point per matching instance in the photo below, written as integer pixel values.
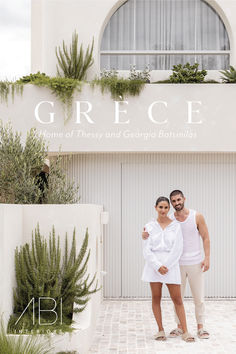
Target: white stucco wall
(16, 225)
(55, 20)
(164, 117)
(11, 236)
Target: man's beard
(179, 207)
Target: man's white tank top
(191, 240)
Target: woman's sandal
(160, 336)
(176, 332)
(187, 337)
(202, 334)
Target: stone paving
(129, 326)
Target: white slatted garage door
(128, 185)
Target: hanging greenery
(41, 272)
(73, 63)
(62, 88)
(120, 87)
(9, 87)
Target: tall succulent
(73, 63)
(40, 272)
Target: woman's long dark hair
(162, 199)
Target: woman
(162, 251)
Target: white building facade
(127, 153)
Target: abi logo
(40, 310)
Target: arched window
(163, 33)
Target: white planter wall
(16, 225)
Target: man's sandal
(187, 337)
(160, 336)
(176, 332)
(202, 334)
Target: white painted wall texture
(128, 186)
(55, 20)
(162, 118)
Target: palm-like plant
(229, 76)
(73, 63)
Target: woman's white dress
(163, 247)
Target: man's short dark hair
(176, 192)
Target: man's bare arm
(203, 230)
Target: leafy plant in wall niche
(20, 166)
(42, 272)
(229, 76)
(73, 63)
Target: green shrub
(140, 75)
(229, 76)
(167, 81)
(40, 272)
(20, 164)
(31, 78)
(185, 74)
(106, 74)
(59, 190)
(73, 63)
(21, 345)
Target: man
(192, 265)
(42, 180)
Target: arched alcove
(162, 33)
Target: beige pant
(195, 277)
